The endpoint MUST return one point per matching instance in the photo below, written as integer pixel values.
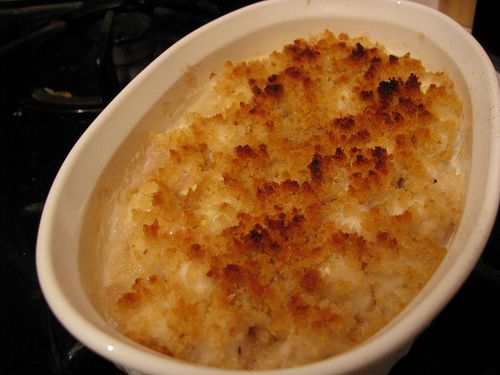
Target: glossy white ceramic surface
(402, 26)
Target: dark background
(36, 135)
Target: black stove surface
(61, 62)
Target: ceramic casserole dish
(171, 81)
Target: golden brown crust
(295, 224)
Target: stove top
(61, 62)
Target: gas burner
(129, 27)
(130, 37)
(75, 73)
(81, 69)
(80, 54)
(66, 64)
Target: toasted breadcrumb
(298, 220)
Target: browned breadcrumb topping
(299, 219)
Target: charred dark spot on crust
(308, 54)
(256, 90)
(291, 185)
(393, 59)
(380, 156)
(275, 224)
(362, 135)
(422, 110)
(272, 78)
(386, 90)
(358, 51)
(339, 154)
(360, 158)
(379, 152)
(269, 188)
(397, 117)
(252, 332)
(413, 108)
(351, 241)
(371, 72)
(245, 151)
(412, 83)
(344, 122)
(256, 236)
(315, 168)
(274, 90)
(408, 105)
(266, 189)
(400, 183)
(212, 273)
(300, 52)
(293, 71)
